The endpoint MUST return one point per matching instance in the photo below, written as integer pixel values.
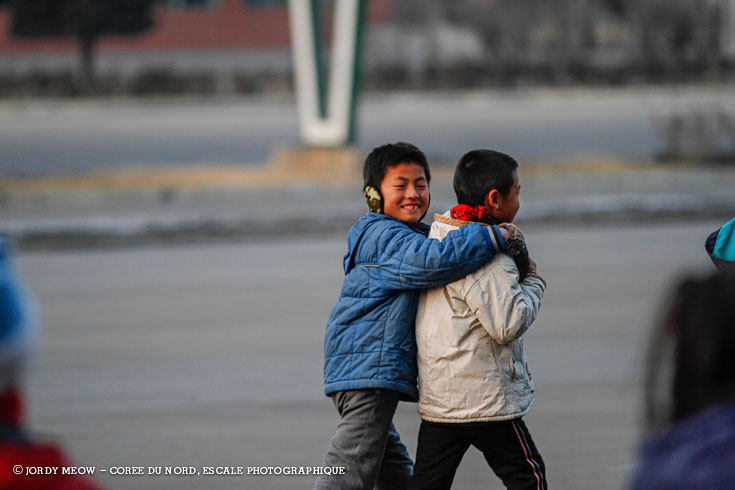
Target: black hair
(691, 360)
(389, 155)
(480, 171)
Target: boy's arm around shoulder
(409, 260)
(505, 306)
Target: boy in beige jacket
(474, 382)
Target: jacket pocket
(518, 359)
(506, 363)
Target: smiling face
(405, 192)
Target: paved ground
(205, 205)
(211, 355)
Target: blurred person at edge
(18, 450)
(690, 390)
(720, 246)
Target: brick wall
(231, 25)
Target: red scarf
(464, 212)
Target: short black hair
(480, 171)
(389, 155)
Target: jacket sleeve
(409, 260)
(504, 306)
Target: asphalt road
(63, 137)
(211, 356)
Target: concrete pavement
(132, 207)
(211, 355)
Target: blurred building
(244, 45)
(213, 36)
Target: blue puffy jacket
(369, 341)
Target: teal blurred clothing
(720, 247)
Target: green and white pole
(326, 117)
(727, 29)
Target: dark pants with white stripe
(507, 447)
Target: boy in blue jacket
(369, 345)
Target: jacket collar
(455, 222)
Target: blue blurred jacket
(18, 329)
(697, 453)
(370, 341)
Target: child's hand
(515, 244)
(533, 270)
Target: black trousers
(507, 447)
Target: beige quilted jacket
(472, 364)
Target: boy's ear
(492, 200)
